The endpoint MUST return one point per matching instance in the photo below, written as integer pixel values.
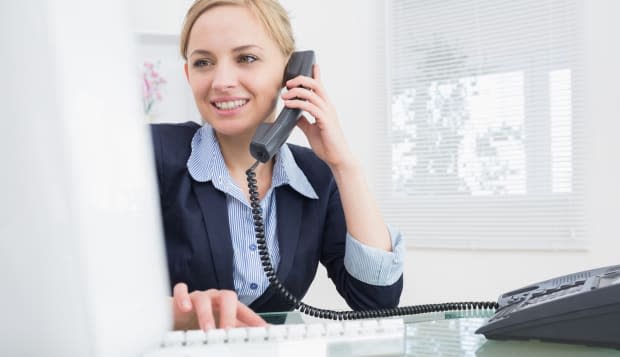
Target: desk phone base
(580, 308)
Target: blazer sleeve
(357, 294)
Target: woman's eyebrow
(245, 48)
(199, 52)
(236, 49)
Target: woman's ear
(186, 72)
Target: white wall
(159, 16)
(348, 38)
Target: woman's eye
(202, 63)
(247, 59)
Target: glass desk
(453, 334)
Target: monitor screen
(82, 260)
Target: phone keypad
(519, 302)
(552, 295)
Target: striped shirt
(206, 163)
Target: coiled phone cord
(275, 283)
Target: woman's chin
(233, 129)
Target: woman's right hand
(210, 309)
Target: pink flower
(152, 83)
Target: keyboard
(372, 337)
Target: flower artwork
(152, 83)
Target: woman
(316, 204)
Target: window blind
(485, 136)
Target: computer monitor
(82, 263)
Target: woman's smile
(229, 106)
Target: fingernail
(186, 304)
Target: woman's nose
(225, 77)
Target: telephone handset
(270, 137)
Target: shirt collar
(206, 163)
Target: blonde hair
(269, 12)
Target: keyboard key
(296, 332)
(370, 325)
(216, 336)
(391, 325)
(174, 338)
(334, 329)
(315, 330)
(236, 335)
(276, 332)
(257, 334)
(195, 337)
(352, 328)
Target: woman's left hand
(324, 135)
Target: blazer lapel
(213, 206)
(290, 209)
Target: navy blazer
(198, 243)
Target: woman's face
(234, 69)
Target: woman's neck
(236, 153)
(237, 157)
